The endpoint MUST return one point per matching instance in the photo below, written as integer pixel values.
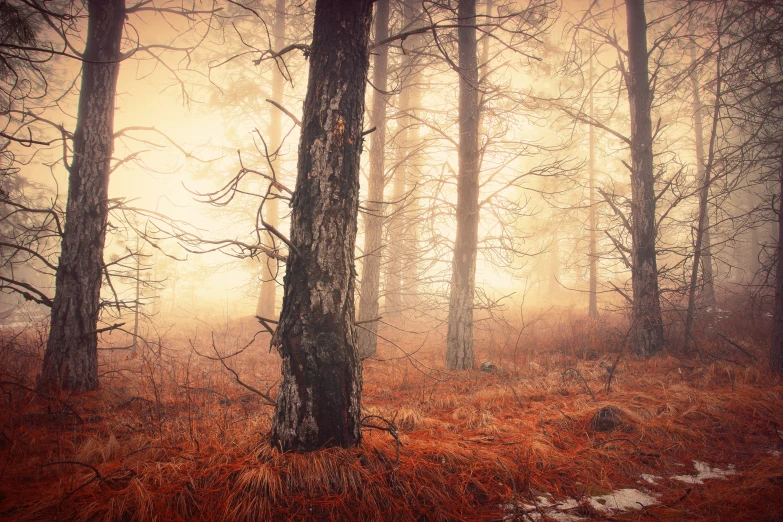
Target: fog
(390, 259)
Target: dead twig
(737, 346)
(587, 387)
(611, 371)
(266, 396)
(265, 323)
(629, 441)
(391, 429)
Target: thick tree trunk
(266, 300)
(373, 231)
(319, 400)
(776, 350)
(71, 358)
(592, 309)
(647, 338)
(459, 350)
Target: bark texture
(319, 400)
(459, 349)
(776, 350)
(266, 301)
(373, 218)
(71, 357)
(647, 337)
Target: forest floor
(567, 426)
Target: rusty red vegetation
(171, 436)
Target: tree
(459, 348)
(375, 207)
(592, 309)
(407, 142)
(648, 324)
(776, 350)
(701, 253)
(266, 301)
(319, 399)
(71, 358)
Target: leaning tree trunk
(776, 350)
(647, 338)
(71, 358)
(266, 300)
(367, 340)
(319, 400)
(459, 349)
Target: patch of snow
(703, 472)
(622, 500)
(555, 510)
(650, 479)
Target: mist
(390, 260)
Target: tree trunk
(137, 304)
(406, 143)
(319, 400)
(459, 350)
(412, 217)
(554, 269)
(754, 252)
(394, 266)
(701, 248)
(373, 231)
(708, 288)
(647, 338)
(266, 301)
(776, 350)
(71, 358)
(592, 309)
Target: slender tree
(71, 357)
(708, 288)
(374, 216)
(266, 301)
(701, 251)
(592, 309)
(319, 399)
(406, 145)
(647, 338)
(776, 350)
(459, 350)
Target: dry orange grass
(171, 437)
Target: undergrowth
(171, 435)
